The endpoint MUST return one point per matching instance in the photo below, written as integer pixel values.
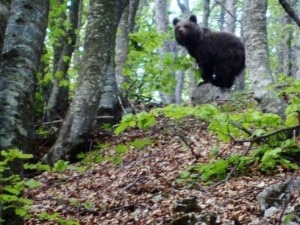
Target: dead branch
(232, 170)
(265, 136)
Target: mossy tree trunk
(22, 51)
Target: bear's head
(187, 32)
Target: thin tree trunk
(114, 77)
(103, 20)
(287, 46)
(4, 13)
(22, 51)
(162, 26)
(59, 97)
(222, 15)
(109, 103)
(297, 52)
(230, 16)
(206, 13)
(255, 35)
(126, 26)
(179, 86)
(77, 55)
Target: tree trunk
(230, 16)
(110, 104)
(162, 27)
(103, 20)
(297, 52)
(77, 53)
(4, 12)
(290, 10)
(59, 97)
(257, 55)
(206, 13)
(222, 15)
(22, 51)
(184, 7)
(286, 47)
(126, 26)
(180, 75)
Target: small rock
(270, 211)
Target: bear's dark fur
(220, 55)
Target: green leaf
(292, 119)
(258, 132)
(184, 174)
(121, 149)
(140, 143)
(60, 166)
(33, 183)
(270, 158)
(145, 120)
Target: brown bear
(219, 55)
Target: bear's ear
(193, 18)
(175, 21)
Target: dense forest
(111, 114)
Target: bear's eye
(186, 26)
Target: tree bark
(257, 55)
(230, 16)
(297, 53)
(110, 103)
(222, 15)
(4, 12)
(206, 13)
(22, 51)
(126, 26)
(103, 20)
(285, 48)
(162, 27)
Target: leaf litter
(143, 188)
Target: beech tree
(161, 20)
(255, 35)
(22, 51)
(103, 20)
(126, 27)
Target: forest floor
(144, 188)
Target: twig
(285, 204)
(133, 183)
(239, 126)
(232, 170)
(260, 138)
(52, 122)
(188, 145)
(119, 208)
